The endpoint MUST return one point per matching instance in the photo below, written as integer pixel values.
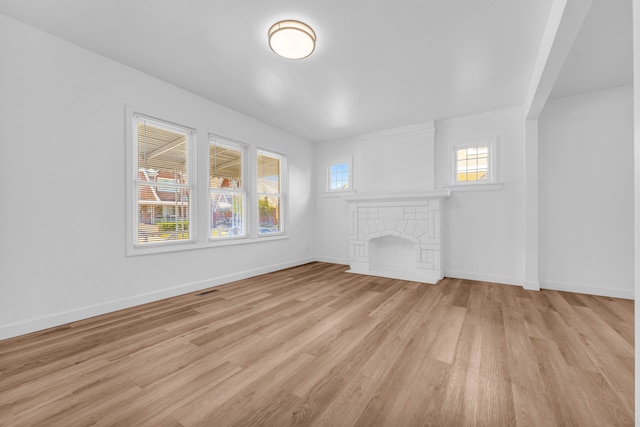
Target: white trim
(420, 275)
(343, 193)
(33, 325)
(243, 149)
(162, 246)
(475, 187)
(431, 195)
(613, 292)
(492, 144)
(403, 130)
(348, 160)
(636, 188)
(282, 194)
(243, 240)
(331, 260)
(277, 235)
(531, 253)
(492, 278)
(132, 246)
(617, 292)
(531, 285)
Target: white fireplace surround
(397, 236)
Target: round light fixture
(292, 39)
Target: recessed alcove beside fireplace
(397, 236)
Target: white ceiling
(378, 63)
(602, 55)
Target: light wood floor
(313, 345)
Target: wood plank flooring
(315, 346)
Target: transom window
(162, 181)
(227, 188)
(270, 168)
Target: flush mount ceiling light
(292, 39)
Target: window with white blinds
(227, 188)
(162, 181)
(270, 172)
(169, 209)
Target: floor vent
(207, 292)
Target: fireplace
(397, 236)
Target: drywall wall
(62, 162)
(636, 171)
(586, 193)
(484, 227)
(483, 230)
(392, 161)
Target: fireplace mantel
(430, 195)
(397, 235)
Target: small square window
(474, 163)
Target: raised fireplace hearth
(397, 236)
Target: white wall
(636, 190)
(484, 230)
(394, 161)
(586, 193)
(62, 156)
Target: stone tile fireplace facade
(397, 236)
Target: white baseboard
(614, 292)
(503, 280)
(331, 260)
(424, 276)
(531, 285)
(20, 328)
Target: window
(270, 167)
(474, 163)
(227, 188)
(169, 208)
(162, 181)
(339, 176)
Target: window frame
(492, 167)
(244, 191)
(282, 195)
(134, 247)
(341, 161)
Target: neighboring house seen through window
(170, 209)
(227, 188)
(163, 183)
(270, 168)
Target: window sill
(213, 242)
(192, 245)
(344, 193)
(246, 239)
(161, 247)
(495, 186)
(273, 236)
